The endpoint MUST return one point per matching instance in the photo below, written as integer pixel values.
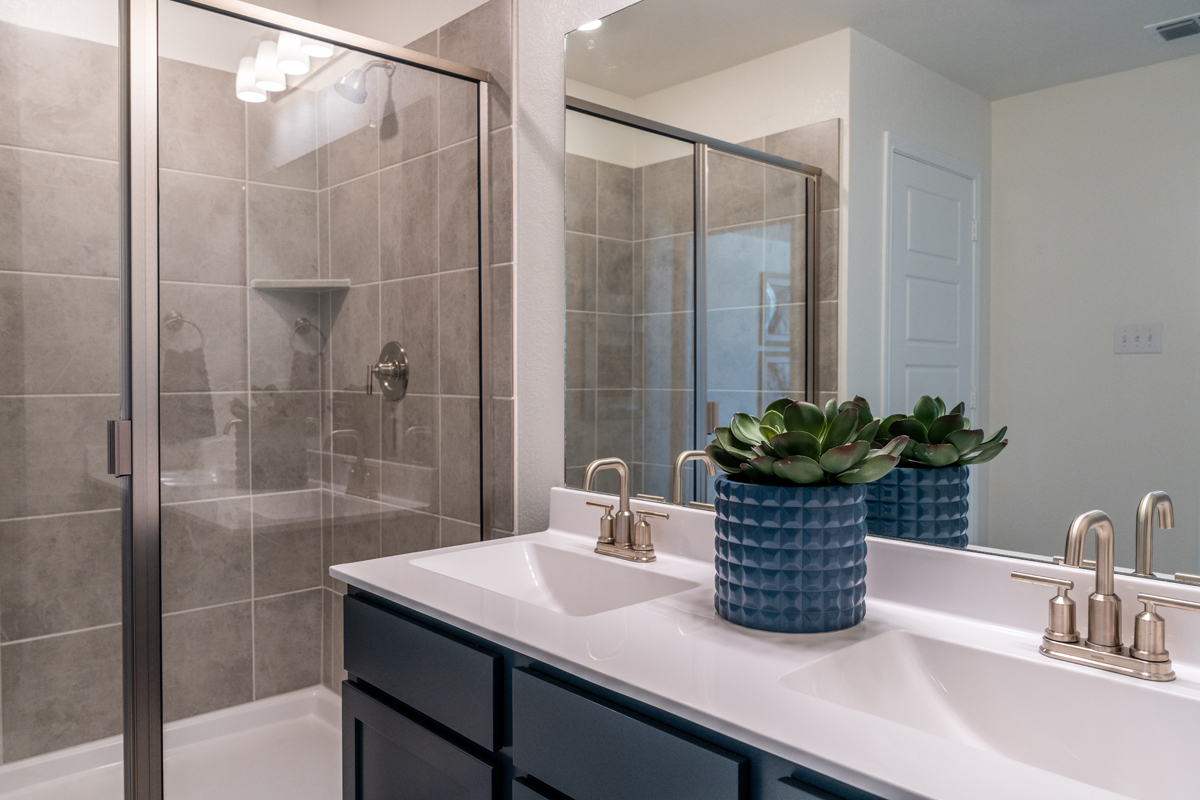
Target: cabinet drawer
(387, 756)
(454, 682)
(591, 749)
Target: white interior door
(932, 346)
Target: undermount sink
(1124, 735)
(571, 583)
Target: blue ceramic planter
(791, 559)
(924, 505)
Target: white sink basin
(576, 584)
(1122, 734)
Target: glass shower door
(60, 380)
(756, 286)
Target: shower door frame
(701, 146)
(141, 570)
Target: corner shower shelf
(315, 285)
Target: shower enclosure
(215, 220)
(690, 293)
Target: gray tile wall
(60, 535)
(629, 298)
(255, 503)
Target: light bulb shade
(315, 49)
(246, 90)
(267, 74)
(291, 58)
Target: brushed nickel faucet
(677, 474)
(619, 536)
(1147, 658)
(1154, 501)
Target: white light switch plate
(1136, 339)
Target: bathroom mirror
(1008, 204)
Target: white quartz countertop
(677, 654)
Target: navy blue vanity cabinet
(431, 712)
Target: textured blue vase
(791, 559)
(924, 505)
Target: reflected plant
(936, 438)
(796, 443)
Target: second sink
(571, 583)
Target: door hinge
(120, 447)
(712, 417)
(974, 230)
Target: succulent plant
(798, 443)
(937, 438)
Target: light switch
(1137, 339)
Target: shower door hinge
(120, 447)
(712, 416)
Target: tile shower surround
(249, 610)
(629, 296)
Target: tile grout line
(247, 423)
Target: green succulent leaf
(796, 443)
(895, 447)
(773, 419)
(961, 408)
(777, 406)
(765, 449)
(733, 445)
(799, 469)
(870, 470)
(925, 411)
(760, 468)
(911, 428)
(944, 425)
(997, 436)
(869, 431)
(725, 461)
(965, 441)
(936, 455)
(842, 458)
(745, 427)
(831, 411)
(861, 401)
(885, 427)
(985, 454)
(863, 409)
(941, 406)
(805, 417)
(841, 430)
(966, 422)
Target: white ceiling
(996, 48)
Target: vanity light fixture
(591, 26)
(292, 59)
(246, 90)
(267, 74)
(315, 49)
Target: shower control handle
(391, 371)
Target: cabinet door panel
(387, 756)
(445, 678)
(593, 750)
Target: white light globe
(315, 49)
(291, 57)
(246, 90)
(267, 74)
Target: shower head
(353, 85)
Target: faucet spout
(623, 527)
(677, 472)
(1104, 607)
(1154, 501)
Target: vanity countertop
(677, 654)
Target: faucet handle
(655, 514)
(1062, 607)
(1149, 628)
(607, 522)
(642, 541)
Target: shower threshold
(283, 747)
